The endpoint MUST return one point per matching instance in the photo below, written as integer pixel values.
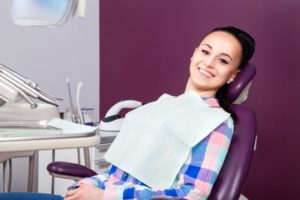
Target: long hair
(248, 47)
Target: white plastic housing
(23, 112)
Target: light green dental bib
(156, 139)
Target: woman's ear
(233, 76)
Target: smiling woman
(217, 61)
(214, 65)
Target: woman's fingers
(84, 192)
(70, 193)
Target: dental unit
(29, 117)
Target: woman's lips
(206, 73)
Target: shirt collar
(212, 101)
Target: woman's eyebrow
(207, 46)
(225, 54)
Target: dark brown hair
(248, 48)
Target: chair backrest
(232, 176)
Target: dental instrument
(73, 117)
(18, 77)
(79, 113)
(24, 87)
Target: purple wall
(145, 51)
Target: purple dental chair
(231, 179)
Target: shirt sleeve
(195, 179)
(97, 180)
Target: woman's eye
(223, 61)
(205, 52)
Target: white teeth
(205, 72)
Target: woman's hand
(84, 192)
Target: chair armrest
(70, 169)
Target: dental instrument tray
(36, 130)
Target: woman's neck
(202, 93)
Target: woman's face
(214, 63)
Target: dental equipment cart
(24, 129)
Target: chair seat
(70, 169)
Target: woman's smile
(205, 73)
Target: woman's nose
(209, 61)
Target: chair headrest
(238, 89)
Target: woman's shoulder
(226, 128)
